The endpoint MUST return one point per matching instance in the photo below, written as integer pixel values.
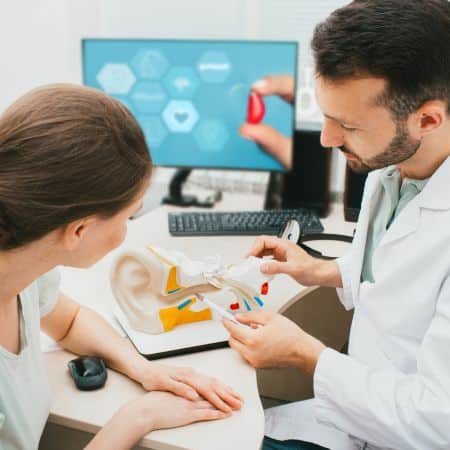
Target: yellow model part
(173, 316)
(172, 285)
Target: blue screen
(191, 97)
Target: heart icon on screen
(181, 117)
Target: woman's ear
(74, 232)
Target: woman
(74, 167)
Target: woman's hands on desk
(152, 411)
(189, 397)
(188, 383)
(164, 410)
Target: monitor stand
(274, 192)
(177, 198)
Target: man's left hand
(271, 340)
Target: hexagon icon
(149, 97)
(181, 82)
(211, 135)
(180, 116)
(214, 67)
(150, 64)
(116, 78)
(154, 130)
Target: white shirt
(392, 391)
(24, 389)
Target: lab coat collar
(435, 195)
(406, 223)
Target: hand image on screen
(269, 139)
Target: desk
(88, 411)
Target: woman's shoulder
(42, 294)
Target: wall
(40, 39)
(40, 42)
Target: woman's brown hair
(66, 152)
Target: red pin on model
(255, 109)
(265, 288)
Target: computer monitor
(191, 96)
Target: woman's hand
(188, 383)
(271, 140)
(151, 411)
(165, 410)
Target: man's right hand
(264, 135)
(292, 260)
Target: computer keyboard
(241, 222)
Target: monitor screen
(191, 96)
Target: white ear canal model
(155, 288)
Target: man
(383, 84)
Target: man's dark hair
(405, 42)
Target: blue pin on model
(184, 304)
(259, 301)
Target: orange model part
(172, 285)
(181, 314)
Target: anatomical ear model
(156, 288)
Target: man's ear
(74, 232)
(429, 117)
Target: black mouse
(88, 372)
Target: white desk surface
(88, 411)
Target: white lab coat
(393, 389)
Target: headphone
(292, 232)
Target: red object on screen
(255, 109)
(234, 306)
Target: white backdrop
(40, 39)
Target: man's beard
(401, 148)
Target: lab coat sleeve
(384, 406)
(345, 292)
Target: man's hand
(292, 260)
(272, 340)
(268, 138)
(188, 383)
